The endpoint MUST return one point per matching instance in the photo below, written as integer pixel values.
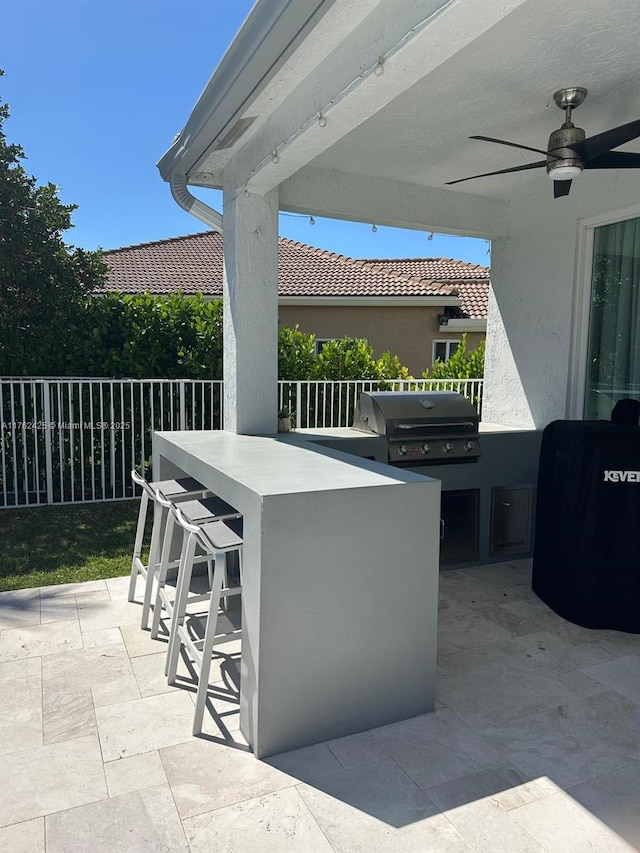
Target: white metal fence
(76, 440)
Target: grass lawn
(65, 544)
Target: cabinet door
(510, 520)
(459, 511)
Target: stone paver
(20, 705)
(534, 747)
(50, 779)
(26, 837)
(276, 823)
(135, 773)
(144, 822)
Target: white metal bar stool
(182, 489)
(195, 512)
(216, 539)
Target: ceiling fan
(569, 152)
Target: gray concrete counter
(340, 582)
(509, 460)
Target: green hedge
(146, 336)
(171, 337)
(120, 336)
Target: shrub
(146, 336)
(461, 365)
(352, 358)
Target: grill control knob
(402, 449)
(425, 449)
(469, 446)
(447, 447)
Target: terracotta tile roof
(436, 269)
(474, 295)
(193, 264)
(471, 280)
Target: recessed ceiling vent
(233, 135)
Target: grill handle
(457, 424)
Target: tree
(42, 279)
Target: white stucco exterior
(250, 293)
(537, 281)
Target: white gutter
(262, 45)
(211, 218)
(273, 29)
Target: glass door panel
(613, 365)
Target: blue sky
(97, 90)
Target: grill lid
(398, 413)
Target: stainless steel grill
(422, 427)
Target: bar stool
(216, 539)
(182, 489)
(195, 512)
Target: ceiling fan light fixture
(569, 151)
(565, 173)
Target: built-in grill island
(487, 480)
(422, 427)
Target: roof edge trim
(432, 300)
(258, 50)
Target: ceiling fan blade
(561, 188)
(513, 145)
(602, 143)
(537, 165)
(614, 160)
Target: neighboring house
(416, 308)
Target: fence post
(183, 408)
(298, 404)
(48, 455)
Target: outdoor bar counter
(340, 582)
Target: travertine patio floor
(534, 746)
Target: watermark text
(69, 425)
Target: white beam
(363, 199)
(417, 37)
(250, 293)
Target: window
(613, 359)
(444, 349)
(319, 344)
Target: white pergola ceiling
(487, 68)
(501, 85)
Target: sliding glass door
(613, 363)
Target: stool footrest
(195, 646)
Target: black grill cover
(586, 563)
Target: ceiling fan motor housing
(558, 142)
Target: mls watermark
(69, 425)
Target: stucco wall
(406, 332)
(530, 307)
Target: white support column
(250, 312)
